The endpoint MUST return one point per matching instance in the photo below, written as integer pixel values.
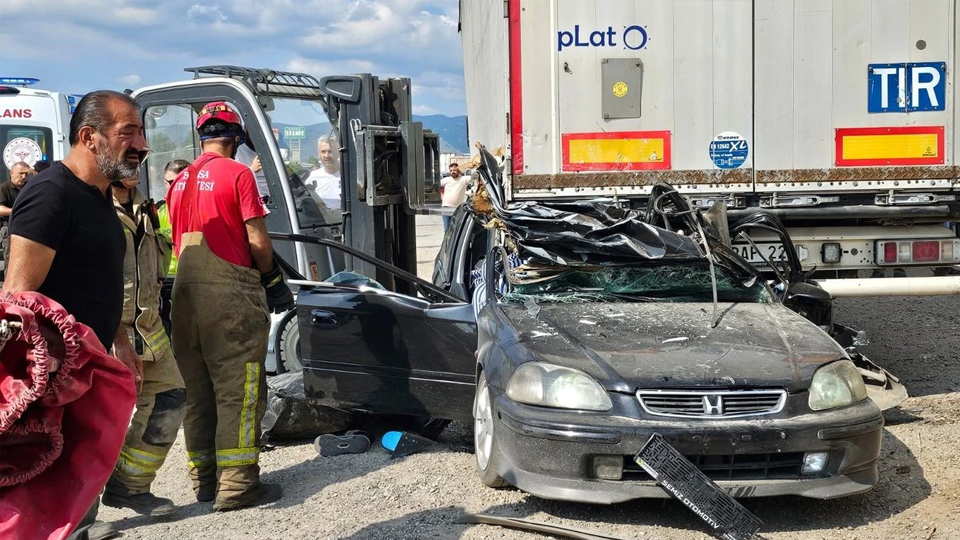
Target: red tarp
(60, 432)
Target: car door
(443, 267)
(376, 350)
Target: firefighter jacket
(143, 271)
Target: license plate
(683, 480)
(772, 252)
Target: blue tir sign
(919, 86)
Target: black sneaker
(259, 496)
(146, 504)
(335, 445)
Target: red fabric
(61, 432)
(225, 195)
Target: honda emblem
(713, 405)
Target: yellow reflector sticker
(890, 146)
(616, 151)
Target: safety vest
(143, 272)
(166, 230)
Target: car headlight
(547, 385)
(835, 385)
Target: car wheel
(288, 345)
(486, 452)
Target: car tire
(288, 345)
(486, 451)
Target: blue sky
(80, 45)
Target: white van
(34, 124)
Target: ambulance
(34, 124)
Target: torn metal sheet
(580, 232)
(882, 387)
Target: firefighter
(220, 314)
(161, 404)
(170, 173)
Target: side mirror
(811, 302)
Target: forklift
(389, 169)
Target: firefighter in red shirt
(220, 314)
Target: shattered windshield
(660, 283)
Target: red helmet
(218, 110)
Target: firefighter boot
(146, 504)
(153, 430)
(240, 487)
(203, 474)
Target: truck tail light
(891, 252)
(926, 251)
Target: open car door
(370, 349)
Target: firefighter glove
(279, 297)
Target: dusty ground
(370, 496)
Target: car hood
(627, 346)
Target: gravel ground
(371, 496)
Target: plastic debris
(290, 416)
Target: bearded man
(66, 241)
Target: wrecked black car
(569, 333)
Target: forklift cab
(385, 168)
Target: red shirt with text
(225, 195)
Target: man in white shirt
(325, 181)
(453, 190)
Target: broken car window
(661, 283)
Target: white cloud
(135, 15)
(129, 80)
(87, 44)
(322, 68)
(424, 110)
(212, 12)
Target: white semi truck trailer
(836, 115)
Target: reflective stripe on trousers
(219, 333)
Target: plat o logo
(632, 38)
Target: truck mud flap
(727, 518)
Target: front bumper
(550, 453)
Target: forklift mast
(390, 169)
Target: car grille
(778, 466)
(711, 403)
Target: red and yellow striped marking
(617, 151)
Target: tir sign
(919, 86)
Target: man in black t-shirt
(19, 174)
(66, 241)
